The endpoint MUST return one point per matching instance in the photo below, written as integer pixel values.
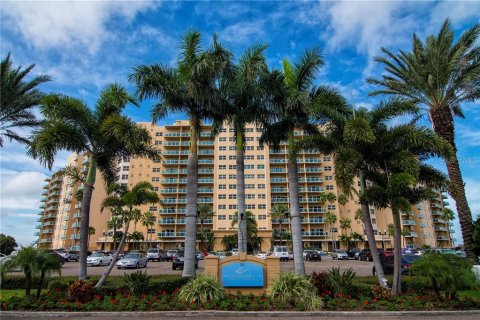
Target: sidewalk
(231, 315)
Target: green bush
(201, 290)
(320, 281)
(81, 291)
(341, 283)
(168, 286)
(295, 290)
(58, 284)
(137, 282)
(363, 289)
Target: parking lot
(362, 268)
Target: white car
(281, 252)
(261, 255)
(99, 259)
(234, 252)
(339, 254)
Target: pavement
(231, 315)
(362, 268)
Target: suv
(178, 260)
(72, 255)
(313, 256)
(365, 254)
(155, 254)
(281, 252)
(388, 263)
(170, 254)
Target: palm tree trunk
(191, 215)
(40, 283)
(281, 233)
(397, 250)
(85, 221)
(372, 245)
(299, 265)
(28, 280)
(114, 260)
(443, 125)
(242, 219)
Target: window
(331, 207)
(232, 157)
(158, 142)
(232, 176)
(260, 166)
(329, 187)
(223, 130)
(249, 186)
(154, 188)
(249, 196)
(222, 158)
(222, 167)
(156, 160)
(261, 186)
(125, 168)
(222, 196)
(262, 196)
(223, 139)
(222, 217)
(155, 179)
(248, 129)
(249, 139)
(262, 206)
(249, 166)
(232, 196)
(222, 206)
(231, 139)
(232, 148)
(249, 157)
(327, 158)
(249, 176)
(222, 176)
(261, 157)
(158, 134)
(152, 209)
(262, 217)
(260, 176)
(259, 147)
(232, 206)
(151, 231)
(222, 148)
(249, 148)
(231, 130)
(328, 178)
(155, 169)
(250, 206)
(328, 168)
(124, 176)
(222, 186)
(232, 167)
(231, 216)
(374, 221)
(232, 186)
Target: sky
(85, 45)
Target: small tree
(46, 263)
(7, 244)
(25, 260)
(280, 212)
(330, 220)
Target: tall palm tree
(103, 133)
(136, 217)
(243, 105)
(345, 223)
(204, 212)
(191, 88)
(18, 98)
(448, 215)
(330, 220)
(292, 97)
(148, 220)
(115, 223)
(441, 74)
(91, 232)
(136, 237)
(128, 200)
(252, 228)
(342, 201)
(280, 212)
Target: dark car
(387, 263)
(366, 255)
(388, 252)
(313, 256)
(61, 259)
(353, 253)
(178, 260)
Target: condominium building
(266, 184)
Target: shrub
(201, 290)
(295, 290)
(446, 272)
(363, 289)
(57, 284)
(341, 283)
(169, 286)
(381, 293)
(320, 281)
(81, 291)
(137, 282)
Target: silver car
(133, 260)
(339, 254)
(99, 259)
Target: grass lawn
(475, 294)
(7, 294)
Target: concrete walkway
(231, 315)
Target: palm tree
(448, 215)
(136, 217)
(243, 105)
(116, 222)
(25, 261)
(46, 263)
(345, 223)
(357, 237)
(440, 74)
(128, 200)
(204, 212)
(229, 241)
(293, 97)
(252, 228)
(345, 239)
(330, 220)
(136, 237)
(17, 100)
(91, 232)
(342, 200)
(148, 220)
(280, 212)
(191, 88)
(103, 133)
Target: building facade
(266, 184)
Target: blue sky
(85, 45)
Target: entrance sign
(242, 274)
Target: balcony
(440, 228)
(205, 171)
(436, 213)
(283, 221)
(38, 226)
(173, 190)
(278, 180)
(174, 171)
(65, 218)
(174, 162)
(205, 152)
(36, 234)
(171, 221)
(174, 200)
(310, 199)
(170, 234)
(410, 235)
(77, 215)
(52, 208)
(205, 200)
(48, 223)
(309, 160)
(175, 153)
(43, 199)
(314, 234)
(76, 225)
(206, 143)
(438, 221)
(47, 231)
(310, 179)
(313, 210)
(313, 220)
(279, 190)
(278, 161)
(205, 180)
(280, 200)
(78, 205)
(172, 211)
(173, 181)
(46, 240)
(204, 190)
(205, 221)
(75, 236)
(442, 238)
(310, 170)
(205, 161)
(408, 223)
(278, 170)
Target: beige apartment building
(266, 185)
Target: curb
(227, 314)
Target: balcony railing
(408, 223)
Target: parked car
(388, 252)
(313, 256)
(99, 259)
(281, 252)
(322, 253)
(305, 252)
(339, 254)
(461, 253)
(178, 260)
(133, 260)
(261, 255)
(353, 253)
(73, 256)
(365, 254)
(61, 259)
(199, 255)
(290, 255)
(234, 252)
(63, 253)
(387, 263)
(155, 254)
(440, 251)
(170, 254)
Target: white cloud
(22, 190)
(458, 11)
(243, 32)
(69, 25)
(468, 135)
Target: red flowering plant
(81, 291)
